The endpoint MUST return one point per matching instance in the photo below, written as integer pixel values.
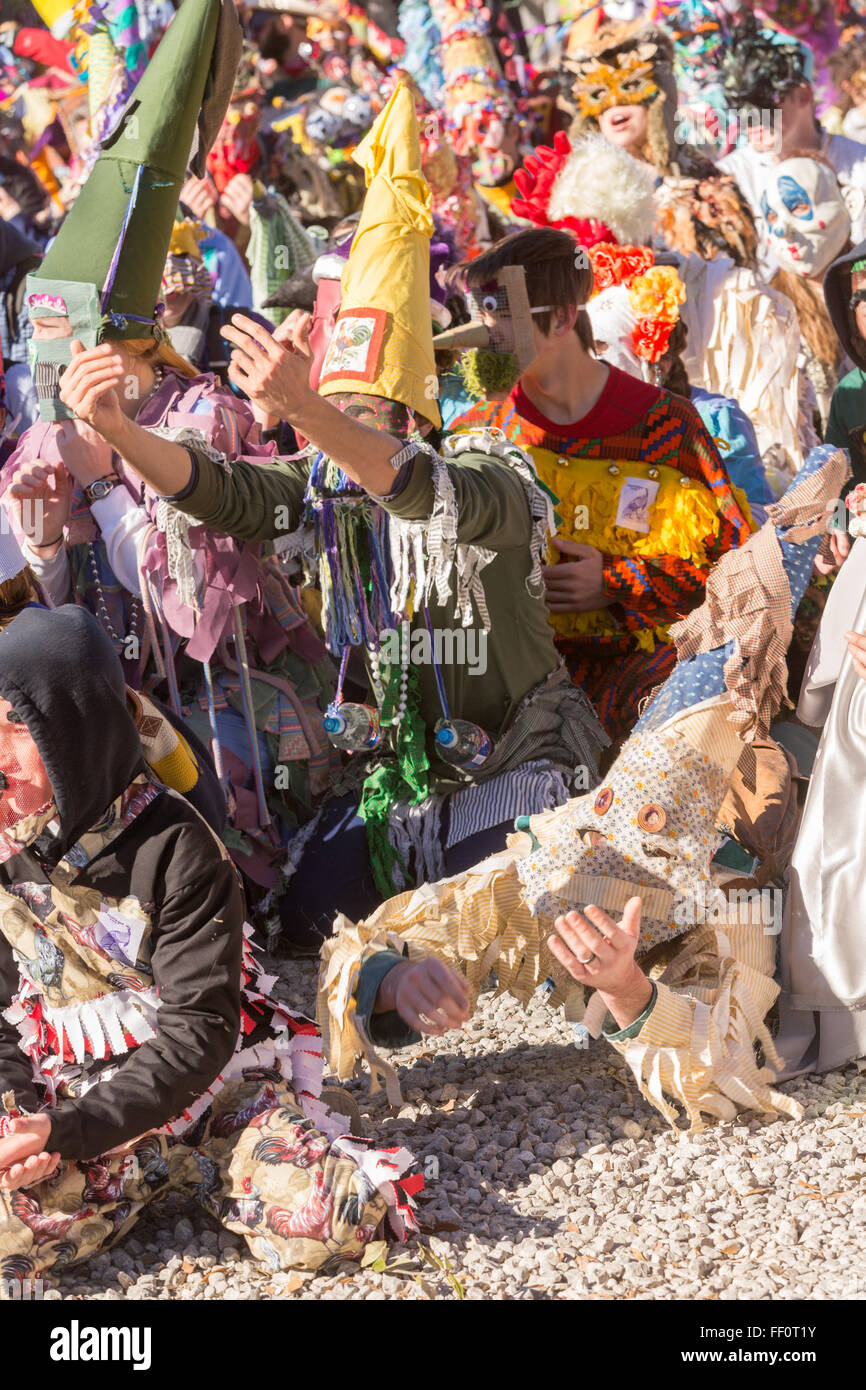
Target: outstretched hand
(428, 995)
(600, 954)
(273, 374)
(89, 387)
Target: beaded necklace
(131, 637)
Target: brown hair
(15, 594)
(676, 378)
(557, 272)
(158, 354)
(816, 329)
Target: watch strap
(101, 487)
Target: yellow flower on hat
(185, 238)
(658, 294)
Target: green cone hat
(117, 234)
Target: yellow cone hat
(59, 15)
(383, 341)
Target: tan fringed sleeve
(473, 921)
(697, 1046)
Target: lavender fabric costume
(192, 608)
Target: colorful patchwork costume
(132, 1011)
(643, 445)
(648, 830)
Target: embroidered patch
(636, 497)
(356, 346)
(47, 301)
(150, 727)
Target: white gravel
(555, 1180)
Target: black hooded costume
(147, 849)
(132, 1008)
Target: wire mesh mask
(500, 318)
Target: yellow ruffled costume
(683, 518)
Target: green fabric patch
(53, 299)
(404, 778)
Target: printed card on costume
(636, 498)
(119, 934)
(355, 347)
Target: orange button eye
(603, 801)
(652, 818)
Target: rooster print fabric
(254, 1162)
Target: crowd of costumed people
(432, 470)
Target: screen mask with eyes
(498, 338)
(807, 216)
(60, 310)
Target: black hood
(15, 247)
(22, 184)
(59, 671)
(837, 293)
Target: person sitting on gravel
(139, 1048)
(687, 973)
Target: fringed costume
(648, 830)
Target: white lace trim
(426, 554)
(175, 525)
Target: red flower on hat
(650, 339)
(617, 265)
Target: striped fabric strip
(524, 792)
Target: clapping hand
(39, 497)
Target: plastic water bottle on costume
(462, 744)
(354, 728)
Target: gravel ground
(555, 1180)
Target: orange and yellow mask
(600, 86)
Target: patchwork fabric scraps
(256, 1163)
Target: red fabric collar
(624, 401)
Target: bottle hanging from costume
(462, 744)
(354, 728)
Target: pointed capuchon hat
(382, 344)
(110, 252)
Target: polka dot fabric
(588, 851)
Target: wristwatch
(101, 488)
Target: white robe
(823, 942)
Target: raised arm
(277, 377)
(89, 388)
(274, 376)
